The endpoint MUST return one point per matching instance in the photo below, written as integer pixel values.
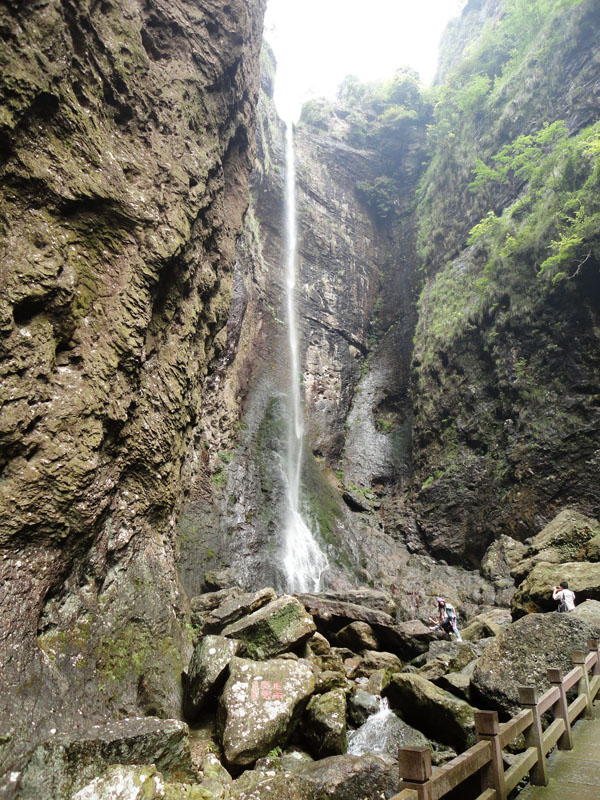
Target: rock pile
(277, 687)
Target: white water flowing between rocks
(303, 560)
(372, 737)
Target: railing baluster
(534, 737)
(492, 775)
(594, 647)
(561, 709)
(415, 770)
(583, 688)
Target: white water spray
(372, 737)
(303, 560)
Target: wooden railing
(419, 782)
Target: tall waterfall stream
(303, 560)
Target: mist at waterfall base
(303, 560)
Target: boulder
(350, 777)
(260, 705)
(331, 613)
(270, 785)
(63, 765)
(207, 672)
(323, 726)
(501, 557)
(236, 607)
(374, 660)
(384, 733)
(589, 612)
(535, 593)
(458, 683)
(357, 636)
(329, 667)
(592, 549)
(361, 706)
(564, 539)
(437, 713)
(367, 598)
(521, 655)
(281, 625)
(487, 624)
(124, 783)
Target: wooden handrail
(452, 774)
(511, 729)
(548, 699)
(420, 782)
(572, 678)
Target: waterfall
(303, 560)
(372, 737)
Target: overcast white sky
(318, 42)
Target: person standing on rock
(565, 597)
(447, 619)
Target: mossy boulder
(125, 783)
(279, 626)
(357, 636)
(565, 539)
(521, 656)
(260, 705)
(207, 672)
(535, 593)
(437, 713)
(485, 625)
(63, 765)
(350, 777)
(324, 724)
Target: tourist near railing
(419, 782)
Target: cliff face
(506, 374)
(125, 145)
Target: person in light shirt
(565, 597)
(447, 619)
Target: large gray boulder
(236, 607)
(521, 655)
(207, 672)
(589, 612)
(486, 624)
(564, 539)
(350, 777)
(281, 625)
(535, 593)
(437, 713)
(324, 724)
(260, 705)
(63, 765)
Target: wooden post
(415, 770)
(583, 687)
(492, 775)
(534, 737)
(561, 709)
(594, 647)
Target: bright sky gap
(318, 42)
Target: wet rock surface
(259, 705)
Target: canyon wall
(126, 140)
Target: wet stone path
(574, 774)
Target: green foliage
(317, 114)
(381, 195)
(500, 82)
(555, 224)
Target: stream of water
(372, 737)
(303, 560)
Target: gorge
(441, 364)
